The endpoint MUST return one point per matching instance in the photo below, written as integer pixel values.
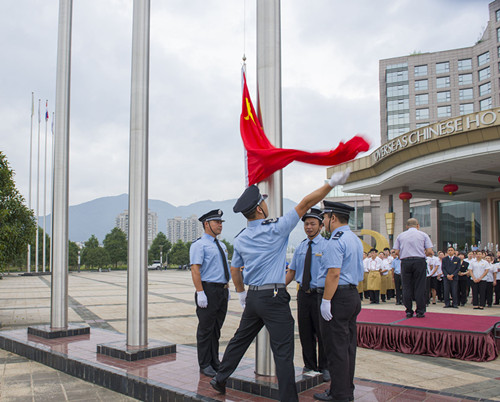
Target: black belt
(339, 287)
(215, 284)
(267, 286)
(310, 290)
(413, 258)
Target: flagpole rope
(244, 31)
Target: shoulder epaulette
(304, 240)
(338, 235)
(239, 233)
(196, 240)
(270, 220)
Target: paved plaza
(99, 299)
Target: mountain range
(97, 217)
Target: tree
(179, 253)
(93, 255)
(115, 243)
(73, 254)
(17, 223)
(160, 244)
(230, 249)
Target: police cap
(249, 200)
(213, 215)
(313, 213)
(337, 208)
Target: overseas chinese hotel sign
(458, 125)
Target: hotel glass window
(442, 82)
(399, 65)
(397, 76)
(422, 99)
(459, 222)
(398, 104)
(464, 79)
(443, 67)
(396, 119)
(420, 70)
(421, 85)
(485, 104)
(397, 90)
(422, 214)
(498, 34)
(483, 58)
(418, 125)
(497, 15)
(444, 111)
(466, 108)
(464, 64)
(498, 48)
(444, 96)
(484, 73)
(396, 132)
(421, 114)
(485, 89)
(465, 94)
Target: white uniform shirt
(386, 265)
(478, 268)
(430, 265)
(374, 264)
(490, 275)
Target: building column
(434, 235)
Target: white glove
(326, 310)
(243, 297)
(201, 299)
(339, 178)
(228, 295)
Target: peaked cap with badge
(314, 213)
(213, 215)
(337, 208)
(249, 200)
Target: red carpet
(466, 337)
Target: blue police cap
(313, 213)
(249, 200)
(213, 215)
(337, 208)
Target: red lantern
(405, 196)
(499, 179)
(450, 188)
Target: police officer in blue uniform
(210, 272)
(304, 269)
(261, 249)
(342, 270)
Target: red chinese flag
(263, 159)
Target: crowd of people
(451, 278)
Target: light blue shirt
(412, 243)
(396, 264)
(345, 251)
(317, 246)
(205, 252)
(261, 249)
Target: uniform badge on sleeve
(338, 235)
(270, 220)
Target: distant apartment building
(185, 229)
(122, 223)
(424, 88)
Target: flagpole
(269, 111)
(51, 170)
(37, 241)
(28, 263)
(45, 188)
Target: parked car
(155, 265)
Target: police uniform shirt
(261, 249)
(317, 246)
(396, 264)
(344, 251)
(205, 252)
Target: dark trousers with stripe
(309, 333)
(263, 308)
(339, 336)
(210, 320)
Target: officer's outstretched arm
(317, 195)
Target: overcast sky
(330, 55)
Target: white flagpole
(45, 188)
(51, 199)
(37, 190)
(28, 263)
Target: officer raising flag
(261, 249)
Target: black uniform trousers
(263, 308)
(450, 286)
(339, 337)
(478, 293)
(210, 320)
(463, 291)
(497, 292)
(399, 290)
(413, 274)
(309, 333)
(489, 293)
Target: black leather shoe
(219, 387)
(409, 315)
(208, 371)
(325, 396)
(420, 315)
(326, 375)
